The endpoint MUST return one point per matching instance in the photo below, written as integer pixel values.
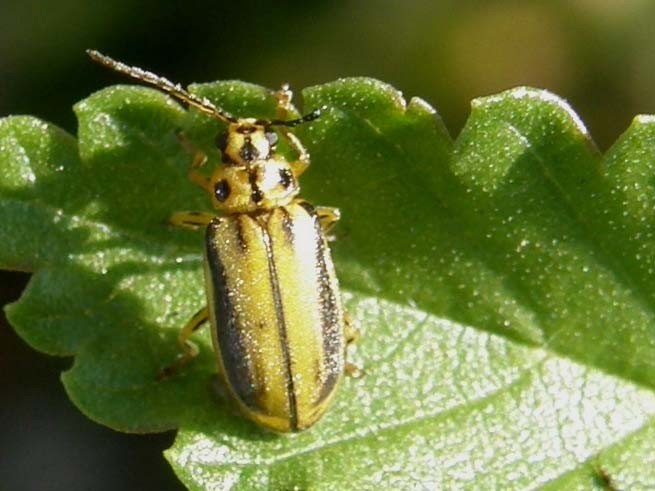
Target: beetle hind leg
(354, 371)
(189, 348)
(351, 334)
(328, 217)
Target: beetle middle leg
(189, 349)
(198, 159)
(191, 219)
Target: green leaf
(503, 283)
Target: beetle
(278, 327)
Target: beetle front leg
(302, 162)
(284, 107)
(189, 349)
(198, 159)
(191, 219)
(283, 96)
(299, 165)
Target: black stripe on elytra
(331, 315)
(282, 331)
(308, 208)
(286, 177)
(241, 238)
(287, 224)
(235, 357)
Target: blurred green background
(597, 54)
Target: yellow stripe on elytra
(247, 278)
(296, 249)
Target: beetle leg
(351, 334)
(328, 217)
(302, 162)
(198, 179)
(283, 96)
(299, 165)
(284, 107)
(354, 371)
(189, 349)
(198, 159)
(191, 219)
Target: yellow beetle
(278, 327)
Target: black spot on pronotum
(248, 151)
(286, 178)
(222, 190)
(256, 195)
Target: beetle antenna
(315, 114)
(163, 84)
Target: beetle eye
(222, 190)
(286, 178)
(221, 141)
(272, 138)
